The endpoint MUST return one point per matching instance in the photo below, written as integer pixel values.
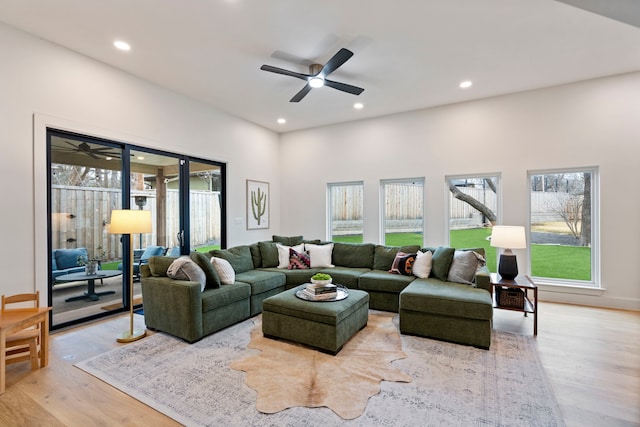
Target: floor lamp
(130, 222)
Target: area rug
(343, 383)
(452, 385)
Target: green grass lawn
(553, 261)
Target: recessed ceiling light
(282, 121)
(140, 157)
(466, 84)
(358, 105)
(108, 158)
(121, 45)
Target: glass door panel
(85, 185)
(205, 206)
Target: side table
(523, 283)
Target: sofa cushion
(68, 258)
(224, 295)
(288, 241)
(384, 255)
(262, 280)
(204, 262)
(345, 276)
(256, 257)
(239, 257)
(464, 266)
(383, 281)
(320, 255)
(158, 265)
(269, 254)
(184, 268)
(441, 261)
(224, 270)
(298, 260)
(422, 264)
(355, 255)
(447, 299)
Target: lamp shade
(128, 221)
(508, 237)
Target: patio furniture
(141, 256)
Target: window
(403, 211)
(345, 212)
(473, 209)
(563, 219)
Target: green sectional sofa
(455, 312)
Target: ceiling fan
(317, 75)
(94, 153)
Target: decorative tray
(341, 292)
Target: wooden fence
(81, 216)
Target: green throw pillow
(158, 265)
(213, 280)
(441, 262)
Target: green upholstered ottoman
(320, 324)
(447, 311)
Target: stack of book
(321, 292)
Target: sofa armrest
(173, 306)
(483, 279)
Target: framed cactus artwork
(257, 204)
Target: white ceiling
(409, 54)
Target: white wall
(42, 84)
(593, 123)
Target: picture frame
(258, 205)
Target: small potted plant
(321, 279)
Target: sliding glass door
(185, 196)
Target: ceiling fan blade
(336, 61)
(285, 72)
(344, 87)
(298, 96)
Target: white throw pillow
(422, 265)
(464, 266)
(283, 253)
(320, 254)
(184, 268)
(225, 271)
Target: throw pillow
(298, 260)
(225, 271)
(283, 254)
(184, 268)
(213, 281)
(422, 264)
(159, 265)
(403, 264)
(441, 262)
(320, 255)
(464, 266)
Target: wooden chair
(23, 345)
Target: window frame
(595, 282)
(330, 186)
(448, 195)
(382, 222)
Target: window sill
(568, 289)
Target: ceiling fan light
(316, 82)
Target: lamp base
(508, 268)
(130, 337)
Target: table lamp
(508, 237)
(130, 222)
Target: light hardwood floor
(591, 355)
